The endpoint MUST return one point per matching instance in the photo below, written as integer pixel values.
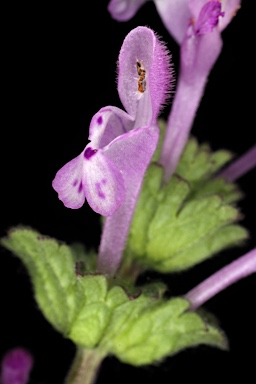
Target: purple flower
(109, 172)
(196, 25)
(121, 143)
(200, 48)
(175, 14)
(16, 367)
(143, 63)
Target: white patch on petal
(103, 184)
(68, 183)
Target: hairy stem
(85, 366)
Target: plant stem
(85, 366)
(129, 270)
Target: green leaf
(198, 163)
(51, 268)
(228, 192)
(142, 331)
(195, 253)
(97, 313)
(150, 196)
(162, 128)
(88, 326)
(186, 221)
(69, 302)
(116, 296)
(194, 223)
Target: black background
(60, 69)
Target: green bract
(184, 222)
(99, 313)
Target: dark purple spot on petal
(89, 152)
(99, 191)
(104, 181)
(80, 188)
(99, 121)
(75, 183)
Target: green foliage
(198, 165)
(51, 268)
(144, 330)
(96, 313)
(175, 226)
(186, 221)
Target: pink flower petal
(123, 10)
(90, 176)
(103, 184)
(229, 7)
(175, 15)
(68, 183)
(107, 124)
(208, 17)
(144, 80)
(133, 152)
(198, 55)
(196, 6)
(144, 75)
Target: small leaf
(162, 128)
(51, 267)
(116, 296)
(217, 241)
(184, 222)
(198, 163)
(228, 192)
(145, 210)
(143, 332)
(90, 324)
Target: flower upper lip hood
(122, 143)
